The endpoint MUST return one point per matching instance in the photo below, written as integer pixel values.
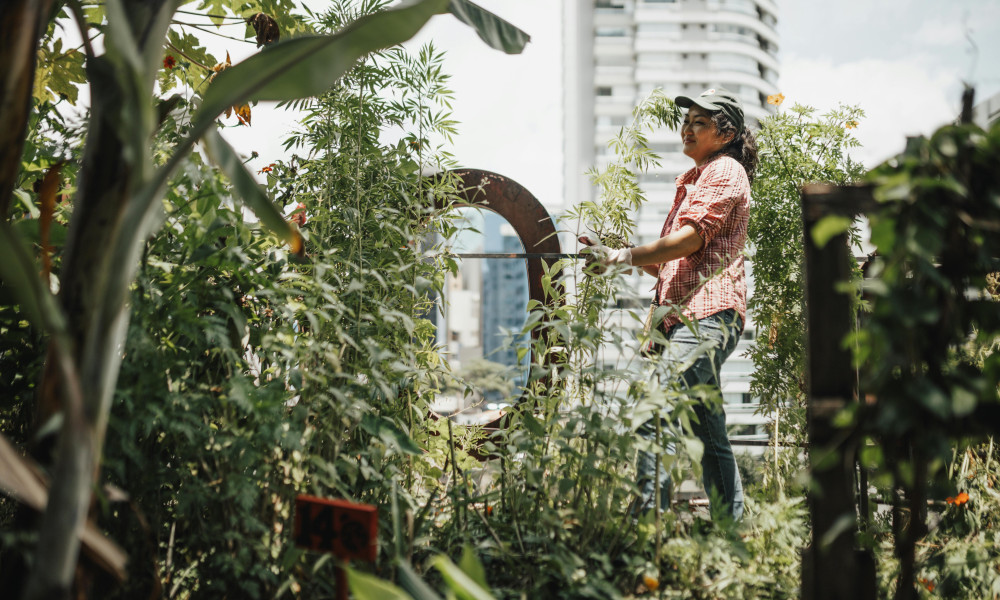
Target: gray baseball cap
(714, 100)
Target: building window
(611, 32)
(604, 91)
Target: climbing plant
(796, 146)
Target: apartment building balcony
(647, 13)
(613, 106)
(715, 44)
(613, 75)
(614, 45)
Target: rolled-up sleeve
(721, 186)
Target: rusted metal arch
(532, 223)
(510, 200)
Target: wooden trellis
(833, 568)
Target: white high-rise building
(617, 51)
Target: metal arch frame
(510, 200)
(532, 223)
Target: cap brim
(686, 102)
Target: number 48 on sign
(343, 528)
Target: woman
(698, 262)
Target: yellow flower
(776, 99)
(851, 124)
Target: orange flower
(851, 124)
(266, 169)
(489, 510)
(927, 584)
(776, 99)
(299, 214)
(169, 62)
(958, 500)
(652, 583)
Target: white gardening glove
(600, 253)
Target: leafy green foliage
(484, 379)
(123, 188)
(936, 246)
(796, 146)
(59, 73)
(927, 352)
(201, 432)
(620, 193)
(250, 375)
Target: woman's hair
(743, 146)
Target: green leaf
(471, 566)
(413, 584)
(963, 402)
(310, 65)
(391, 435)
(458, 581)
(843, 524)
(224, 156)
(19, 272)
(493, 30)
(532, 425)
(828, 227)
(695, 448)
(28, 204)
(934, 400)
(369, 587)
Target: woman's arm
(679, 244)
(648, 257)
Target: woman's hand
(600, 254)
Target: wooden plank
(832, 568)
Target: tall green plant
(796, 146)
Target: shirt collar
(692, 174)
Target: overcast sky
(902, 61)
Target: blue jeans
(699, 363)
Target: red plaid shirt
(715, 199)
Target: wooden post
(832, 569)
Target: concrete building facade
(987, 112)
(504, 297)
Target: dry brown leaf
(266, 28)
(220, 67)
(242, 113)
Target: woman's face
(699, 135)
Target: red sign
(346, 529)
